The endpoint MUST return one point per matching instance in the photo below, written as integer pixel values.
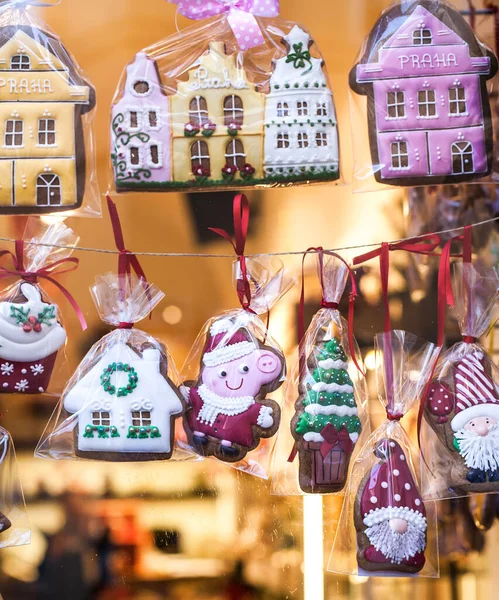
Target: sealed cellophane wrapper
(420, 107)
(232, 369)
(200, 110)
(14, 523)
(385, 527)
(32, 334)
(461, 436)
(122, 402)
(325, 418)
(47, 155)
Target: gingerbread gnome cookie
(228, 411)
(425, 76)
(390, 518)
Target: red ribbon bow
(240, 210)
(47, 272)
(334, 438)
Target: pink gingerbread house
(429, 115)
(140, 127)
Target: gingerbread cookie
(326, 425)
(125, 405)
(30, 338)
(463, 410)
(424, 73)
(228, 411)
(390, 517)
(43, 99)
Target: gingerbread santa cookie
(228, 412)
(30, 337)
(390, 518)
(463, 410)
(326, 425)
(125, 405)
(43, 100)
(424, 73)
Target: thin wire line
(292, 253)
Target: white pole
(313, 548)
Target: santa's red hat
(391, 492)
(475, 392)
(227, 341)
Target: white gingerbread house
(300, 122)
(123, 405)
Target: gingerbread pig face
(244, 376)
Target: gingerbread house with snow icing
(428, 110)
(124, 406)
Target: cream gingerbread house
(42, 100)
(217, 121)
(125, 406)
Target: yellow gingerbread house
(42, 100)
(217, 121)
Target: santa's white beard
(397, 546)
(479, 452)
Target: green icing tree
(330, 350)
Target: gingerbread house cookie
(30, 337)
(424, 73)
(125, 406)
(42, 100)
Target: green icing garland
(315, 423)
(105, 379)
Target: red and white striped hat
(475, 392)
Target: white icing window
(134, 120)
(20, 62)
(457, 101)
(400, 155)
(283, 140)
(321, 139)
(14, 133)
(46, 132)
(422, 37)
(234, 154)
(134, 156)
(462, 157)
(427, 104)
(302, 108)
(302, 140)
(48, 190)
(141, 88)
(101, 418)
(233, 110)
(198, 111)
(395, 104)
(282, 109)
(155, 155)
(321, 109)
(200, 155)
(141, 418)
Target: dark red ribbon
(47, 272)
(425, 245)
(240, 208)
(334, 438)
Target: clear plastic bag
(14, 523)
(48, 149)
(420, 107)
(325, 400)
(385, 528)
(196, 111)
(32, 334)
(232, 367)
(461, 439)
(122, 402)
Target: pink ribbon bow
(241, 16)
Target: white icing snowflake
(37, 369)
(22, 386)
(7, 368)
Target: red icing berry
(32, 320)
(37, 327)
(27, 328)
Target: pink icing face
(481, 425)
(244, 376)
